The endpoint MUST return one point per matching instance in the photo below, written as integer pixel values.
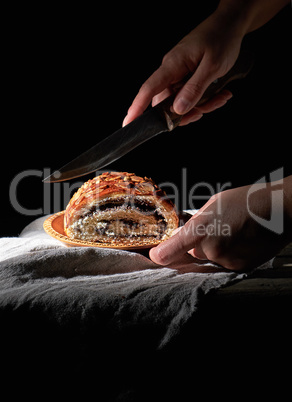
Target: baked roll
(120, 209)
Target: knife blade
(113, 147)
(154, 121)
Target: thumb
(194, 88)
(173, 250)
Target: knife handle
(241, 68)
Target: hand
(223, 231)
(204, 55)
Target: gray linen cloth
(81, 284)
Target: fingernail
(125, 121)
(182, 106)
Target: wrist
(234, 14)
(249, 14)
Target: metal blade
(113, 147)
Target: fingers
(191, 117)
(216, 102)
(194, 88)
(198, 253)
(164, 255)
(156, 83)
(187, 240)
(161, 96)
(156, 90)
(171, 76)
(171, 72)
(175, 250)
(197, 112)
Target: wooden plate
(54, 226)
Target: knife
(154, 121)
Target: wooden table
(276, 282)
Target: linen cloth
(81, 284)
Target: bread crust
(114, 186)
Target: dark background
(71, 74)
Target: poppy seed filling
(121, 218)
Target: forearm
(249, 14)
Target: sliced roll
(120, 209)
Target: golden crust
(114, 185)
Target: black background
(71, 73)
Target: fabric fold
(79, 285)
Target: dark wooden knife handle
(240, 70)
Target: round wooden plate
(54, 226)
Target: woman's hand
(225, 232)
(204, 55)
